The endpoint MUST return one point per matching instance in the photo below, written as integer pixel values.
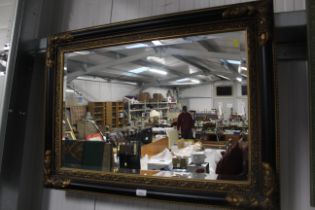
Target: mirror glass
(168, 108)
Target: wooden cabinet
(117, 114)
(108, 113)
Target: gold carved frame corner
(49, 179)
(265, 199)
(264, 13)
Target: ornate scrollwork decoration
(52, 181)
(55, 39)
(243, 200)
(47, 163)
(57, 182)
(264, 22)
(263, 38)
(49, 59)
(65, 37)
(244, 10)
(254, 200)
(269, 186)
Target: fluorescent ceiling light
(224, 77)
(182, 80)
(239, 79)
(77, 53)
(244, 75)
(156, 59)
(157, 43)
(143, 69)
(84, 52)
(236, 62)
(2, 74)
(69, 90)
(241, 68)
(192, 70)
(158, 71)
(139, 70)
(129, 83)
(139, 45)
(195, 81)
(188, 81)
(65, 68)
(86, 77)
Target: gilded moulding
(264, 18)
(254, 200)
(52, 181)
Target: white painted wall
(199, 98)
(203, 98)
(197, 91)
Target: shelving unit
(117, 113)
(108, 113)
(145, 107)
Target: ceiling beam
(180, 53)
(114, 77)
(166, 82)
(204, 70)
(204, 55)
(103, 66)
(210, 45)
(146, 63)
(207, 69)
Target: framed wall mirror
(173, 107)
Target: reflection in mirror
(169, 108)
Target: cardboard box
(158, 97)
(144, 97)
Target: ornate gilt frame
(261, 189)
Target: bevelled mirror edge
(255, 14)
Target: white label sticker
(141, 192)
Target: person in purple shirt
(185, 124)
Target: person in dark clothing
(185, 123)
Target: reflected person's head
(184, 108)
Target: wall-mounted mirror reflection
(170, 108)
